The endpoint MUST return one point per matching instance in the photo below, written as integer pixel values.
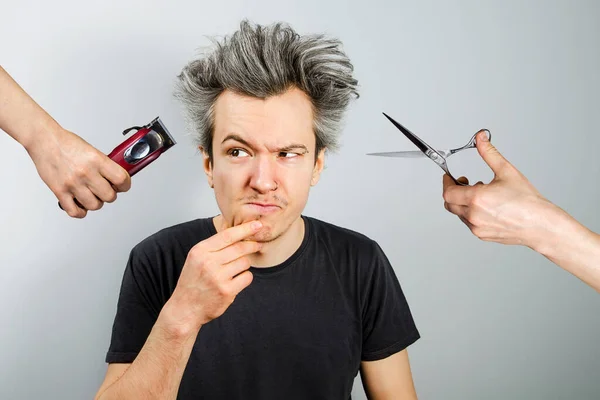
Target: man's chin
(264, 235)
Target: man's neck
(276, 251)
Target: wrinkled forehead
(273, 121)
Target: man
(292, 308)
(72, 169)
(510, 210)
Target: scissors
(437, 156)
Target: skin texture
(263, 152)
(510, 210)
(389, 378)
(70, 167)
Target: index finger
(447, 182)
(454, 194)
(232, 235)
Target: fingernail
(256, 225)
(483, 136)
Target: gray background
(497, 322)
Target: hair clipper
(142, 148)
(145, 146)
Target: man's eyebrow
(237, 138)
(289, 147)
(293, 146)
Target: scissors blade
(405, 154)
(424, 147)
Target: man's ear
(207, 164)
(318, 168)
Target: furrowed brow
(288, 148)
(236, 138)
(293, 147)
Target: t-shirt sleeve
(388, 324)
(138, 307)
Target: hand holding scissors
(507, 210)
(511, 211)
(437, 156)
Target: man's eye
(237, 153)
(286, 154)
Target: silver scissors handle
(472, 143)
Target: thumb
(490, 154)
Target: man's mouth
(263, 208)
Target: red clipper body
(145, 146)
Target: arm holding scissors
(510, 210)
(67, 164)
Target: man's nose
(264, 174)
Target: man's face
(263, 159)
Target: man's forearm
(571, 246)
(157, 370)
(20, 116)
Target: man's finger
(87, 199)
(68, 204)
(235, 267)
(459, 211)
(232, 235)
(102, 189)
(490, 154)
(447, 182)
(454, 194)
(467, 223)
(241, 281)
(116, 175)
(237, 250)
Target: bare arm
(157, 370)
(21, 117)
(510, 210)
(570, 245)
(68, 165)
(389, 378)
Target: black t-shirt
(299, 331)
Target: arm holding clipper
(68, 165)
(215, 271)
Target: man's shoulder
(186, 233)
(340, 236)
(349, 248)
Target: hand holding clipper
(145, 146)
(138, 151)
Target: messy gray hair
(262, 61)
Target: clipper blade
(158, 126)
